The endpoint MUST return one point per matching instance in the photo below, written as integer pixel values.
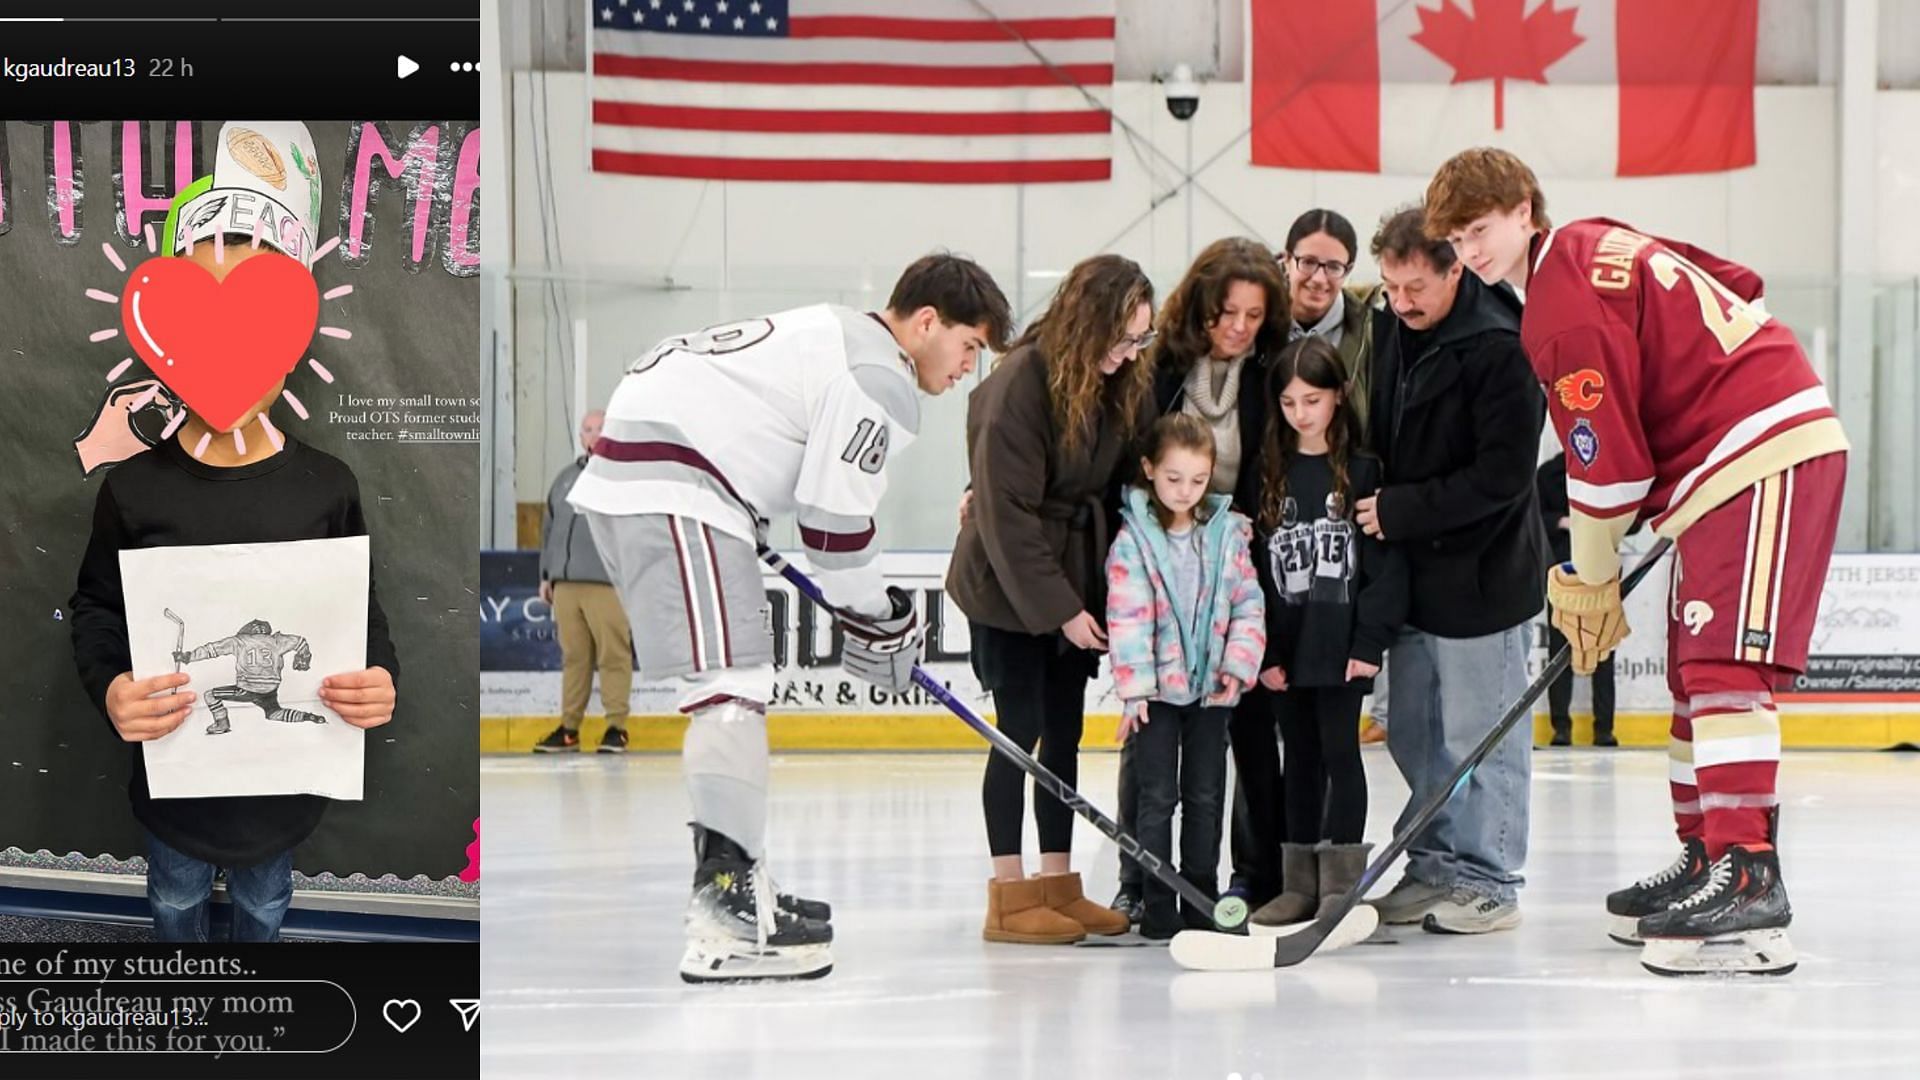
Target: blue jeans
(1447, 693)
(178, 887)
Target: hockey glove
(883, 651)
(1589, 616)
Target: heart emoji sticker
(220, 346)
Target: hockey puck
(1230, 912)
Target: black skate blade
(1624, 930)
(736, 980)
(1132, 939)
(1670, 973)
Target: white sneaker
(1409, 901)
(1467, 912)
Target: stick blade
(1356, 926)
(1276, 947)
(1205, 950)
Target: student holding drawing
(229, 481)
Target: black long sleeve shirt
(166, 498)
(1333, 592)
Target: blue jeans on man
(180, 886)
(1447, 693)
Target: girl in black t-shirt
(1335, 599)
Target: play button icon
(406, 65)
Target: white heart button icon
(406, 1007)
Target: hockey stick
(1229, 913)
(1213, 952)
(179, 638)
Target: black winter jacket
(1458, 428)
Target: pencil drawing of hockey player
(259, 655)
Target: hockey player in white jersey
(707, 438)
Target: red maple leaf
(1498, 41)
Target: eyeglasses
(1309, 266)
(1132, 344)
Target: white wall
(671, 255)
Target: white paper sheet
(313, 596)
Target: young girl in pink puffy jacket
(1186, 625)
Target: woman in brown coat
(1046, 434)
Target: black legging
(1259, 796)
(1321, 729)
(1039, 693)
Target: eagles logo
(206, 214)
(1581, 391)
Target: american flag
(915, 91)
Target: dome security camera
(1183, 92)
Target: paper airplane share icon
(469, 1009)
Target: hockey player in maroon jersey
(1683, 404)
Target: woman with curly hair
(1047, 433)
(1219, 331)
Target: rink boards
(1862, 688)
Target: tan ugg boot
(1017, 912)
(1064, 896)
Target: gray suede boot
(1301, 878)
(1340, 868)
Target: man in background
(587, 615)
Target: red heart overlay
(220, 346)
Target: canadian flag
(1575, 87)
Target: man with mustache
(1456, 418)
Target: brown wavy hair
(1480, 181)
(1086, 318)
(1194, 304)
(1187, 432)
(1317, 364)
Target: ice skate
(706, 842)
(735, 930)
(220, 726)
(1735, 923)
(1651, 894)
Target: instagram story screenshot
(239, 325)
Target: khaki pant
(593, 634)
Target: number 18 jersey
(797, 412)
(1670, 386)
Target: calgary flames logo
(1581, 391)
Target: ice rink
(588, 866)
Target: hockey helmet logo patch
(1581, 391)
(1584, 443)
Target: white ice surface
(587, 865)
